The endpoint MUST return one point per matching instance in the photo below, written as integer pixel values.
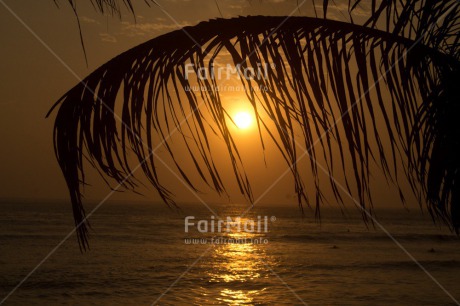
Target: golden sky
(41, 58)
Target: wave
(362, 237)
(387, 265)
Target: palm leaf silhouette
(321, 68)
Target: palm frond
(112, 7)
(321, 68)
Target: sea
(148, 254)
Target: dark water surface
(140, 254)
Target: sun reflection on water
(238, 297)
(239, 270)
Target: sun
(243, 120)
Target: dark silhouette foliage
(327, 79)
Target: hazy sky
(37, 68)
